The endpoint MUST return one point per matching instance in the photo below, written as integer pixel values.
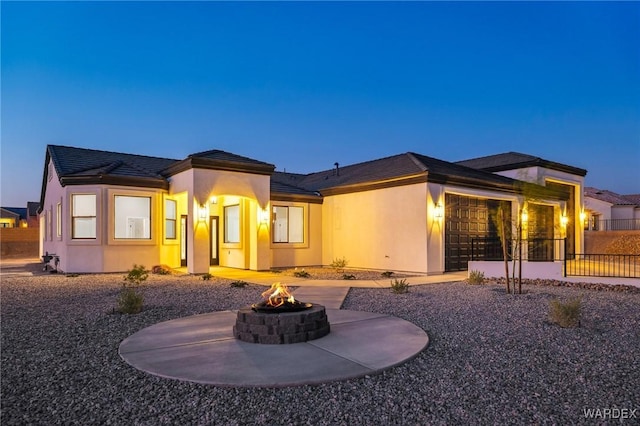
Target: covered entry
(466, 218)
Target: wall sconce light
(524, 216)
(202, 213)
(583, 216)
(213, 199)
(438, 211)
(564, 220)
(263, 216)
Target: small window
(83, 216)
(232, 224)
(132, 217)
(59, 220)
(288, 224)
(170, 219)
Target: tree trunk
(503, 237)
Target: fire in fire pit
(280, 318)
(279, 299)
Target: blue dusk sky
(305, 85)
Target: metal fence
(614, 225)
(603, 265)
(554, 250)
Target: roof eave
(211, 164)
(141, 182)
(373, 185)
(301, 198)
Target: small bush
(387, 274)
(137, 275)
(238, 284)
(476, 277)
(301, 274)
(348, 277)
(130, 301)
(565, 314)
(207, 276)
(399, 286)
(339, 264)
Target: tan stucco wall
(382, 229)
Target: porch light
(564, 220)
(524, 216)
(439, 211)
(583, 216)
(202, 213)
(213, 199)
(263, 216)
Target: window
(83, 216)
(232, 224)
(59, 220)
(170, 219)
(288, 224)
(132, 217)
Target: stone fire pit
(281, 319)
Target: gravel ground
(492, 359)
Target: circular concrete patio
(202, 349)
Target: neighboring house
(104, 211)
(13, 217)
(20, 217)
(608, 211)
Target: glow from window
(232, 224)
(83, 215)
(132, 217)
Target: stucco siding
(382, 229)
(310, 252)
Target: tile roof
(516, 160)
(216, 154)
(611, 197)
(398, 167)
(81, 162)
(15, 212)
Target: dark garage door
(465, 218)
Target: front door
(540, 233)
(213, 244)
(183, 240)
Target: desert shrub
(565, 314)
(301, 274)
(207, 276)
(130, 299)
(238, 283)
(399, 286)
(136, 276)
(387, 274)
(161, 270)
(339, 264)
(348, 277)
(476, 277)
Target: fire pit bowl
(285, 307)
(273, 326)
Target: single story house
(104, 211)
(608, 211)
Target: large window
(232, 224)
(83, 216)
(132, 217)
(288, 224)
(170, 219)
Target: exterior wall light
(263, 216)
(564, 220)
(202, 213)
(438, 211)
(524, 216)
(213, 199)
(583, 216)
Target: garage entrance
(466, 218)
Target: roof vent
(337, 170)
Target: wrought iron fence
(531, 250)
(553, 250)
(603, 265)
(614, 225)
